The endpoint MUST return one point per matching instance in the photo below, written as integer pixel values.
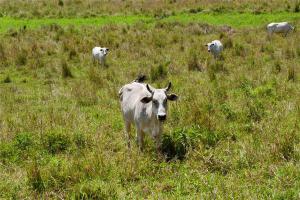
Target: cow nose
(208, 50)
(162, 117)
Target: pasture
(234, 133)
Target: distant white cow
(146, 107)
(215, 47)
(281, 27)
(99, 54)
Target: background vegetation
(234, 133)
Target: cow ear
(172, 97)
(146, 99)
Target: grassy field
(232, 19)
(233, 134)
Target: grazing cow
(99, 53)
(281, 27)
(215, 47)
(146, 107)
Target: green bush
(159, 72)
(23, 141)
(56, 142)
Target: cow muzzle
(162, 117)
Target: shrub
(66, 72)
(72, 54)
(8, 153)
(159, 72)
(195, 10)
(56, 142)
(60, 3)
(7, 79)
(175, 146)
(23, 141)
(80, 140)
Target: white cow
(99, 53)
(281, 27)
(215, 47)
(146, 107)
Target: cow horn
(148, 88)
(168, 87)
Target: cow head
(210, 46)
(159, 99)
(104, 51)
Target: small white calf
(215, 47)
(146, 107)
(281, 27)
(99, 53)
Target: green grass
(236, 20)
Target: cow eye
(155, 102)
(101, 49)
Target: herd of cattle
(146, 107)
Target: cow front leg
(127, 133)
(156, 134)
(140, 138)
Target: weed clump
(277, 66)
(215, 67)
(80, 140)
(297, 7)
(60, 2)
(227, 42)
(35, 179)
(195, 10)
(22, 58)
(159, 72)
(175, 146)
(66, 72)
(7, 79)
(239, 50)
(56, 142)
(291, 74)
(23, 141)
(72, 54)
(193, 63)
